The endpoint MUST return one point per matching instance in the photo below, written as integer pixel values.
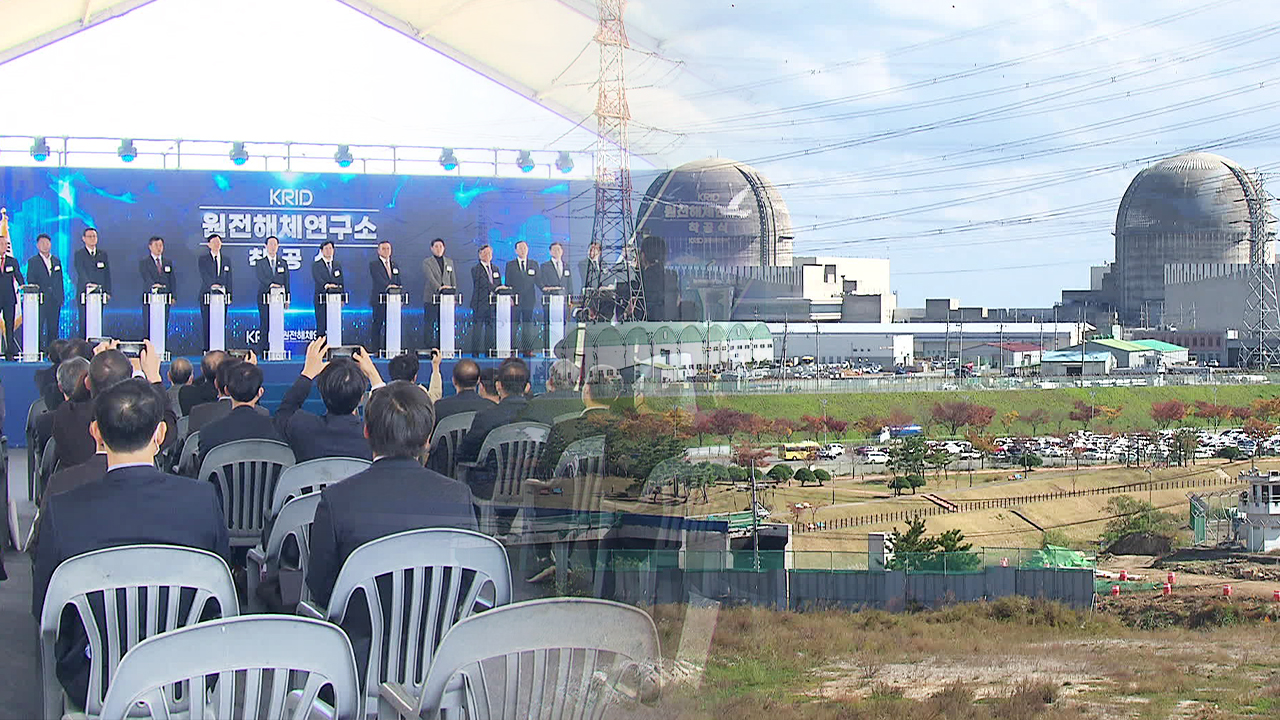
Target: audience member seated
(337, 433)
(180, 376)
(67, 350)
(600, 395)
(513, 383)
(561, 398)
(487, 387)
(395, 494)
(245, 421)
(133, 504)
(405, 367)
(205, 413)
(47, 377)
(108, 367)
(66, 479)
(466, 377)
(203, 390)
(71, 387)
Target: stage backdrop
(302, 210)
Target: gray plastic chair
(294, 520)
(565, 417)
(561, 657)
(190, 454)
(446, 438)
(246, 473)
(137, 577)
(437, 576)
(183, 427)
(313, 476)
(256, 667)
(514, 449)
(33, 456)
(48, 466)
(583, 463)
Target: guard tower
(1260, 511)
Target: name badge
(337, 273)
(495, 276)
(395, 271)
(566, 273)
(168, 269)
(57, 268)
(101, 264)
(226, 269)
(448, 268)
(531, 271)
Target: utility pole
(1261, 318)
(755, 521)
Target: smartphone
(341, 351)
(96, 341)
(239, 353)
(130, 348)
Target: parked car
(875, 458)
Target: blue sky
(981, 146)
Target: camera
(341, 351)
(131, 348)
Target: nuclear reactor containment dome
(717, 211)
(1188, 209)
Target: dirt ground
(1201, 579)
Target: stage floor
(20, 390)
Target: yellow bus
(806, 450)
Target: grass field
(1135, 403)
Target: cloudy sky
(981, 145)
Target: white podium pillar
(156, 302)
(448, 302)
(217, 302)
(557, 308)
(506, 298)
(276, 300)
(31, 298)
(394, 300)
(93, 302)
(333, 317)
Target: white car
(875, 458)
(832, 450)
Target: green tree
(914, 551)
(822, 476)
(1031, 460)
(907, 462)
(781, 473)
(1131, 515)
(737, 473)
(804, 476)
(939, 459)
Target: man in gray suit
(441, 275)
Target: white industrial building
(1260, 511)
(839, 341)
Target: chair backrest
(256, 667)
(417, 585)
(190, 453)
(313, 476)
(183, 427)
(515, 448)
(583, 462)
(294, 519)
(565, 417)
(48, 465)
(566, 657)
(33, 412)
(446, 438)
(246, 473)
(141, 590)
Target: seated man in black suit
(71, 388)
(246, 421)
(395, 494)
(205, 413)
(561, 398)
(66, 479)
(600, 395)
(337, 433)
(203, 390)
(134, 503)
(513, 383)
(466, 379)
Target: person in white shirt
(215, 275)
(45, 269)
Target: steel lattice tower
(614, 227)
(1262, 313)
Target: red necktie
(158, 268)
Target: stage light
(343, 156)
(127, 151)
(448, 160)
(40, 149)
(564, 163)
(525, 161)
(238, 154)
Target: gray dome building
(717, 211)
(1188, 209)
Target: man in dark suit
(157, 271)
(206, 413)
(337, 433)
(273, 272)
(10, 279)
(93, 270)
(134, 503)
(243, 382)
(384, 274)
(326, 275)
(466, 376)
(595, 274)
(513, 383)
(562, 396)
(71, 388)
(215, 274)
(65, 480)
(440, 275)
(45, 269)
(395, 494)
(485, 278)
(555, 272)
(522, 276)
(205, 389)
(599, 398)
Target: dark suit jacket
(95, 269)
(50, 282)
(321, 275)
(9, 273)
(379, 280)
(482, 285)
(591, 275)
(207, 412)
(548, 277)
(65, 480)
(211, 274)
(243, 423)
(201, 391)
(546, 407)
(393, 495)
(503, 413)
(590, 423)
(267, 278)
(130, 506)
(44, 426)
(315, 436)
(152, 276)
(71, 429)
(465, 401)
(524, 283)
